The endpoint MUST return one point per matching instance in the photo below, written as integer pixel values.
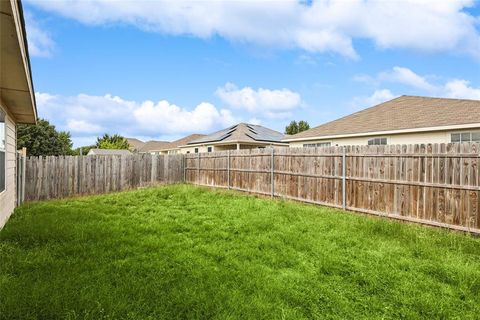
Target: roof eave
(259, 142)
(19, 95)
(399, 131)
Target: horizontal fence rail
(56, 177)
(436, 184)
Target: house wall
(224, 147)
(8, 196)
(192, 149)
(406, 138)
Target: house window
(377, 142)
(196, 150)
(315, 145)
(465, 137)
(3, 147)
(209, 149)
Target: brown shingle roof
(153, 145)
(135, 144)
(405, 112)
(180, 142)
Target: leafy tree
(294, 127)
(42, 139)
(112, 142)
(302, 126)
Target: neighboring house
(17, 100)
(134, 144)
(153, 147)
(404, 120)
(109, 152)
(174, 146)
(240, 136)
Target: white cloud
(452, 88)
(266, 102)
(40, 44)
(81, 126)
(319, 26)
(87, 116)
(407, 77)
(173, 119)
(461, 89)
(375, 98)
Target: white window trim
(462, 132)
(315, 142)
(378, 137)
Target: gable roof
(405, 112)
(109, 152)
(242, 132)
(153, 145)
(180, 142)
(134, 143)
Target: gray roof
(183, 141)
(242, 132)
(109, 152)
(153, 145)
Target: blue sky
(162, 70)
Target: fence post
(153, 170)
(228, 169)
(273, 171)
(18, 177)
(24, 172)
(184, 157)
(198, 168)
(166, 168)
(344, 173)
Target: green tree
(294, 127)
(42, 139)
(302, 126)
(112, 142)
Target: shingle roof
(153, 145)
(242, 132)
(405, 112)
(183, 141)
(135, 144)
(109, 152)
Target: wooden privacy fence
(64, 176)
(436, 184)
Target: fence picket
(437, 184)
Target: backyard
(190, 252)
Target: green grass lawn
(183, 252)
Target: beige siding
(7, 197)
(192, 149)
(224, 147)
(406, 138)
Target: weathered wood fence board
(437, 184)
(58, 177)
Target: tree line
(43, 139)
